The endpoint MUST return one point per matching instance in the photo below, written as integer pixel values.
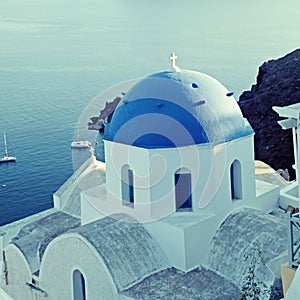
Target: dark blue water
(57, 55)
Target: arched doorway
(79, 291)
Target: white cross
(173, 58)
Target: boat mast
(5, 146)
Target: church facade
(179, 161)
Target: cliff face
(278, 84)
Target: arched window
(78, 286)
(183, 190)
(127, 186)
(236, 180)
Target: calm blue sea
(57, 55)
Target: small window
(127, 186)
(183, 191)
(78, 286)
(236, 180)
(131, 186)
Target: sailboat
(80, 143)
(6, 157)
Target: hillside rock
(277, 84)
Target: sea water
(58, 55)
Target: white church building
(179, 169)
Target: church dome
(173, 109)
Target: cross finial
(173, 58)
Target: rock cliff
(277, 84)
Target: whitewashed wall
(293, 292)
(18, 275)
(66, 254)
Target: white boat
(6, 157)
(81, 144)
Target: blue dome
(174, 109)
